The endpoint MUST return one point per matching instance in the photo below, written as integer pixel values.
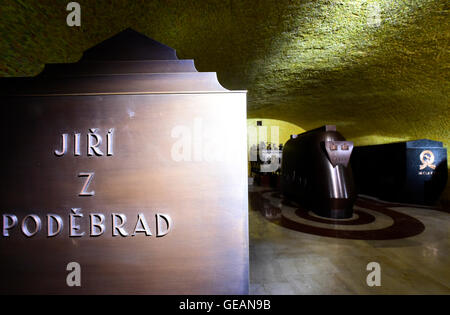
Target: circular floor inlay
(289, 215)
(359, 217)
(354, 217)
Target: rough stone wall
(378, 69)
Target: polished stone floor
(410, 243)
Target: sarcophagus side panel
(124, 173)
(172, 155)
(412, 172)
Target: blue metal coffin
(412, 172)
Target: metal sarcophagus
(315, 171)
(413, 171)
(130, 165)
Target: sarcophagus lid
(127, 63)
(127, 168)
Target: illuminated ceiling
(377, 69)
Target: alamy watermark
(373, 279)
(73, 278)
(203, 142)
(74, 17)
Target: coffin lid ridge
(126, 63)
(129, 45)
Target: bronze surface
(206, 252)
(315, 172)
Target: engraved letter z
(84, 191)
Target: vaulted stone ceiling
(379, 69)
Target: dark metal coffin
(172, 151)
(315, 171)
(412, 171)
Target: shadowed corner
(445, 198)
